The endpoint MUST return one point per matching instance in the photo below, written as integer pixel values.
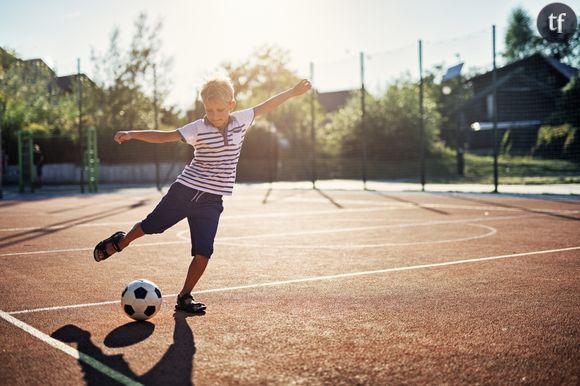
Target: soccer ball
(141, 299)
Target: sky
(200, 35)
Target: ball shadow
(129, 334)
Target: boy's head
(217, 95)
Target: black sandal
(187, 304)
(114, 239)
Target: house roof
(66, 82)
(332, 101)
(513, 70)
(6, 58)
(565, 70)
(39, 63)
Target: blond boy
(197, 192)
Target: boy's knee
(150, 227)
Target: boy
(197, 192)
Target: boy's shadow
(175, 367)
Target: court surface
(305, 287)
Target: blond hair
(220, 88)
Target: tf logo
(557, 22)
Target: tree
(520, 40)
(263, 75)
(391, 130)
(126, 78)
(566, 111)
(567, 52)
(31, 100)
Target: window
(489, 105)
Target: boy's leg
(202, 227)
(185, 301)
(167, 213)
(133, 234)
(196, 269)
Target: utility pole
(81, 136)
(156, 127)
(495, 150)
(1, 153)
(363, 120)
(312, 125)
(421, 119)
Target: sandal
(187, 304)
(114, 239)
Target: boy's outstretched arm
(151, 136)
(277, 100)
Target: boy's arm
(151, 136)
(275, 101)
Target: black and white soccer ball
(141, 299)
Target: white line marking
(381, 207)
(419, 205)
(56, 227)
(491, 231)
(57, 344)
(321, 278)
(182, 234)
(185, 239)
(88, 249)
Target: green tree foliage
(448, 95)
(126, 80)
(561, 137)
(264, 75)
(561, 141)
(521, 40)
(31, 100)
(567, 110)
(391, 129)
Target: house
(36, 70)
(334, 100)
(68, 83)
(6, 58)
(527, 91)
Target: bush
(558, 142)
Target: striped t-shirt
(216, 153)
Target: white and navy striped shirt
(216, 154)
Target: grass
(511, 170)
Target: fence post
(363, 120)
(494, 80)
(81, 134)
(156, 127)
(313, 125)
(421, 120)
(91, 159)
(1, 154)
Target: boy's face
(218, 111)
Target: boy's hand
(122, 136)
(302, 86)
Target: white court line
(57, 344)
(419, 205)
(182, 234)
(88, 249)
(321, 278)
(312, 232)
(490, 232)
(223, 218)
(56, 227)
(380, 207)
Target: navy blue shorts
(202, 210)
